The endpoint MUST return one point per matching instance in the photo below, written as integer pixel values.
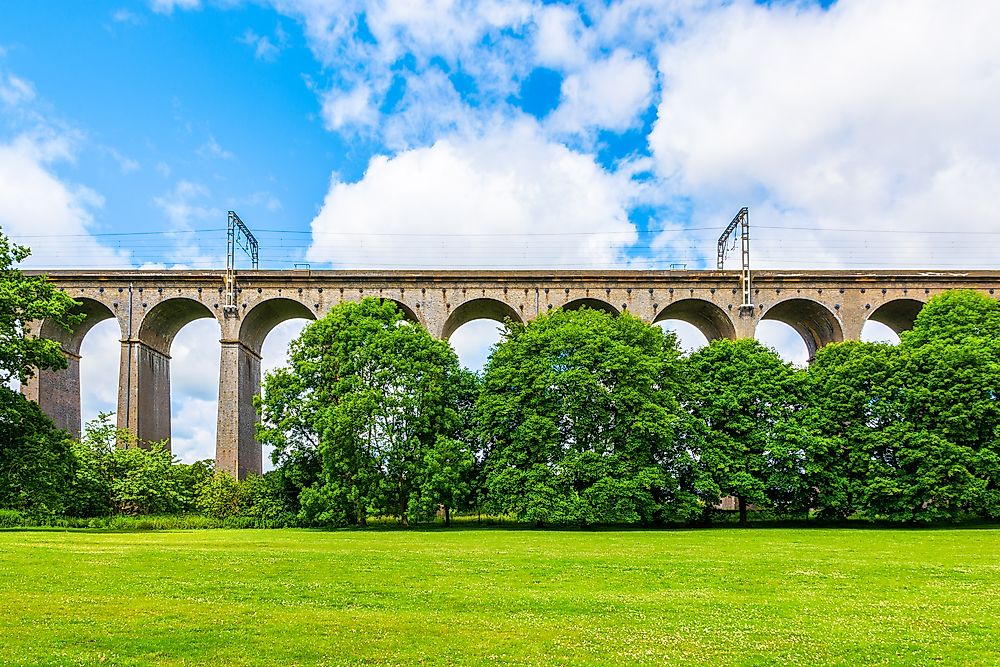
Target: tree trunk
(743, 510)
(447, 516)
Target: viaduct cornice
(151, 306)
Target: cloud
(846, 118)
(611, 94)
(352, 107)
(15, 91)
(265, 47)
(526, 202)
(50, 216)
(168, 6)
(212, 150)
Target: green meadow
(728, 596)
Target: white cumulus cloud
(866, 116)
(508, 199)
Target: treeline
(579, 418)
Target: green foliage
(25, 299)
(749, 440)
(851, 411)
(115, 474)
(256, 498)
(36, 464)
(368, 395)
(580, 416)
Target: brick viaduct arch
(152, 306)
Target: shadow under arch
(593, 304)
(408, 312)
(898, 314)
(814, 322)
(263, 317)
(711, 320)
(94, 313)
(479, 309)
(160, 325)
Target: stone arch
(263, 317)
(898, 314)
(408, 312)
(57, 392)
(94, 313)
(479, 309)
(593, 304)
(813, 321)
(711, 320)
(160, 325)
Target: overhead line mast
(742, 220)
(239, 235)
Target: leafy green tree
(750, 443)
(581, 421)
(945, 463)
(25, 299)
(852, 411)
(35, 459)
(36, 464)
(369, 395)
(114, 475)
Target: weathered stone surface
(152, 306)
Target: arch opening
(813, 321)
(473, 342)
(708, 318)
(273, 355)
(194, 383)
(785, 341)
(593, 304)
(479, 309)
(689, 337)
(100, 354)
(898, 315)
(262, 319)
(876, 332)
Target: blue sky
(456, 134)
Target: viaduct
(152, 306)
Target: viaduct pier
(151, 307)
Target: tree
(35, 459)
(945, 463)
(852, 411)
(581, 421)
(750, 444)
(369, 395)
(36, 465)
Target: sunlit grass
(712, 597)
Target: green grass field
(712, 597)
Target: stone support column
(58, 394)
(144, 392)
(237, 450)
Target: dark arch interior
(95, 312)
(479, 309)
(266, 315)
(810, 319)
(166, 318)
(708, 318)
(593, 304)
(898, 314)
(406, 310)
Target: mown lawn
(461, 597)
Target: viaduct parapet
(151, 307)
